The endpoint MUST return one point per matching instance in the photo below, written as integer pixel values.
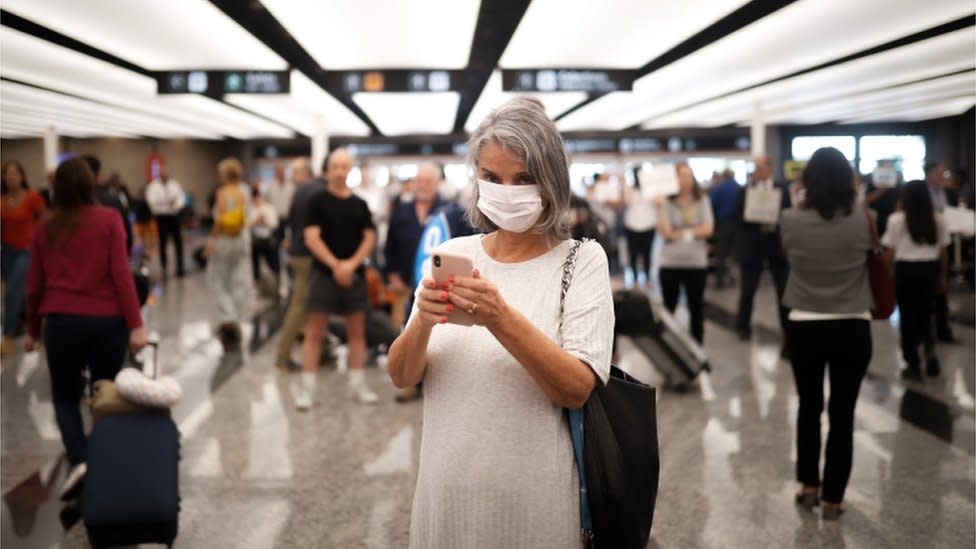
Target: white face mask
(514, 208)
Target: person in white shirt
(640, 221)
(166, 198)
(916, 238)
(264, 223)
(280, 194)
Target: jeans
(169, 227)
(229, 278)
(915, 290)
(694, 282)
(639, 248)
(14, 264)
(843, 346)
(73, 342)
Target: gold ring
(472, 308)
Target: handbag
(879, 276)
(615, 443)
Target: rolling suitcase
(131, 492)
(667, 345)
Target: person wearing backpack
(228, 251)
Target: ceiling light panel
(772, 47)
(926, 111)
(960, 85)
(379, 34)
(177, 34)
(17, 97)
(410, 113)
(622, 34)
(44, 64)
(303, 107)
(492, 97)
(933, 57)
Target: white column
(757, 134)
(320, 144)
(50, 149)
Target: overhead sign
(576, 80)
(218, 83)
(399, 80)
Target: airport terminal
(488, 274)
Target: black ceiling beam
(497, 21)
(256, 19)
(27, 26)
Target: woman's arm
(564, 378)
(663, 221)
(407, 357)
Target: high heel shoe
(807, 499)
(831, 511)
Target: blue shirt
(723, 198)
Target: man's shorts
(326, 296)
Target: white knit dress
(496, 459)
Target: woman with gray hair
(496, 462)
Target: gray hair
(522, 128)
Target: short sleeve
(367, 216)
(943, 229)
(706, 214)
(892, 232)
(312, 214)
(588, 319)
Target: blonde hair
(230, 170)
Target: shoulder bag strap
(576, 416)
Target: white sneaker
(363, 394)
(303, 395)
(72, 484)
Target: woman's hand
(659, 200)
(480, 298)
(433, 303)
(138, 339)
(30, 344)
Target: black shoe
(932, 368)
(912, 373)
(947, 337)
(745, 335)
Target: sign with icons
(218, 83)
(418, 81)
(559, 80)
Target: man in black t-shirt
(340, 235)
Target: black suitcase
(666, 344)
(132, 486)
(131, 492)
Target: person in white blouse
(916, 239)
(264, 222)
(496, 460)
(166, 199)
(280, 194)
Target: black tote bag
(620, 454)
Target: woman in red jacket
(19, 211)
(81, 286)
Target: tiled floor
(257, 474)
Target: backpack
(232, 218)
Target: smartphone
(444, 265)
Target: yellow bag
(232, 219)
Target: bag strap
(576, 416)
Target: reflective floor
(257, 474)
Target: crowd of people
(68, 278)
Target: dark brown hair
(919, 214)
(829, 182)
(696, 192)
(74, 190)
(20, 168)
